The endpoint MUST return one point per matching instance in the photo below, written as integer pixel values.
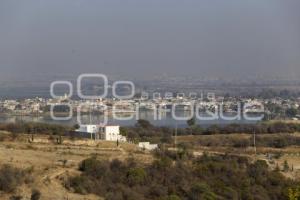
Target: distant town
(273, 108)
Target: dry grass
(52, 163)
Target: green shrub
(10, 178)
(35, 194)
(136, 176)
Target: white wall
(88, 128)
(148, 146)
(109, 133)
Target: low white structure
(148, 146)
(108, 133)
(88, 129)
(111, 133)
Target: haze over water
(46, 40)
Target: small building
(111, 133)
(100, 132)
(88, 129)
(148, 146)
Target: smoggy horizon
(141, 39)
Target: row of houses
(41, 105)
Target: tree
(206, 177)
(136, 176)
(124, 131)
(76, 126)
(143, 124)
(35, 194)
(166, 138)
(197, 130)
(191, 122)
(286, 166)
(201, 191)
(291, 112)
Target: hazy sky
(230, 38)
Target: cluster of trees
(276, 111)
(35, 128)
(143, 130)
(278, 141)
(284, 94)
(259, 128)
(58, 109)
(274, 141)
(178, 176)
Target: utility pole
(175, 137)
(254, 143)
(90, 119)
(90, 114)
(175, 141)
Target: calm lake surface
(165, 119)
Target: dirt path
(53, 164)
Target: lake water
(165, 119)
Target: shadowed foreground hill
(179, 176)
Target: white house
(108, 133)
(88, 129)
